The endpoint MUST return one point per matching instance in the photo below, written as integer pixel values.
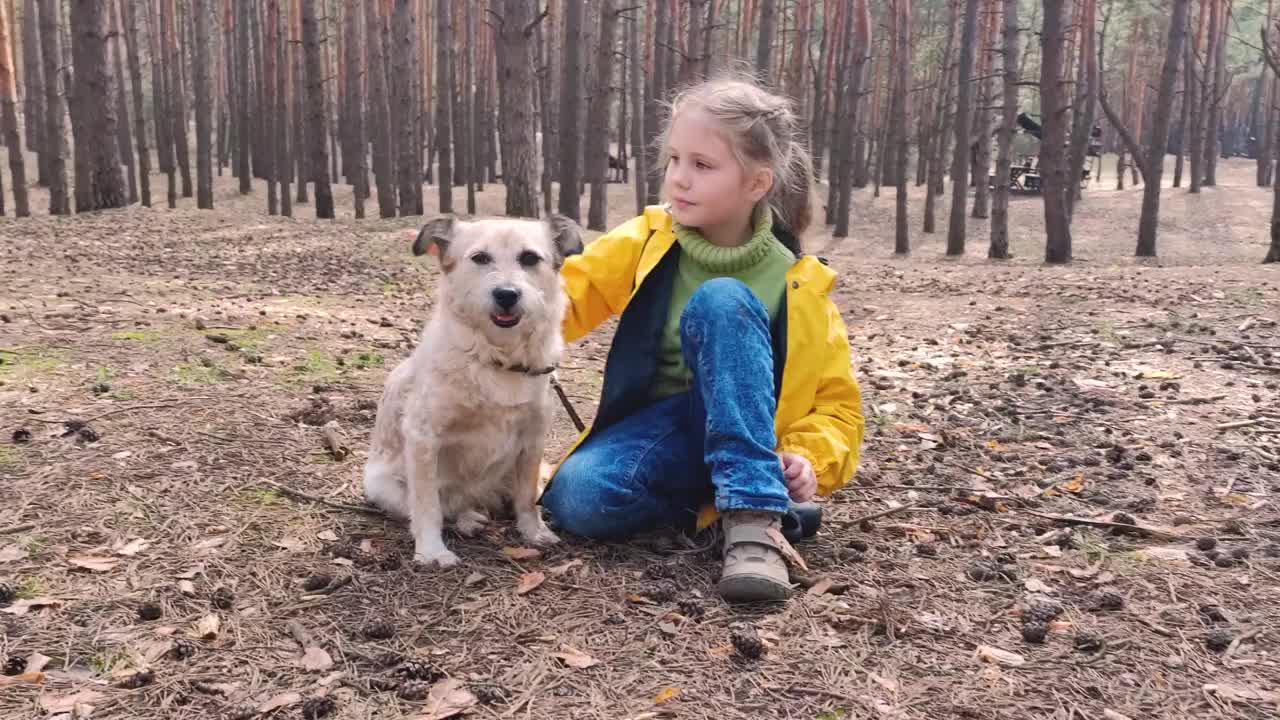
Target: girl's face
(706, 185)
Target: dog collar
(525, 369)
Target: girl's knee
(581, 501)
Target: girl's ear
(760, 183)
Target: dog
(462, 422)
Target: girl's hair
(762, 129)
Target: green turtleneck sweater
(761, 264)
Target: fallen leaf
(566, 567)
(1160, 375)
(292, 544)
(473, 579)
(529, 582)
(446, 699)
(639, 599)
(521, 553)
(208, 627)
(788, 552)
(133, 547)
(26, 678)
(329, 536)
(1052, 551)
(821, 586)
(37, 662)
(94, 564)
(991, 654)
(909, 428)
(1244, 694)
(1037, 585)
(1173, 554)
(186, 587)
(280, 701)
(1085, 573)
(665, 695)
(574, 658)
(155, 650)
(22, 607)
(12, 552)
(66, 703)
(1075, 484)
(316, 659)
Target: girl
(729, 378)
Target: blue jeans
(657, 466)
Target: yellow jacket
(819, 409)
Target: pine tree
(55, 128)
(9, 117)
(317, 121)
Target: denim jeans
(657, 466)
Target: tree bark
(764, 46)
(1158, 142)
(355, 141)
(656, 93)
(570, 100)
(283, 146)
(964, 116)
(124, 144)
(1195, 83)
(9, 116)
(515, 97)
(99, 182)
(33, 104)
(139, 117)
(1218, 31)
(1184, 126)
(693, 65)
(444, 103)
(55, 129)
(860, 47)
(403, 31)
(203, 92)
(936, 183)
(902, 107)
(243, 136)
(379, 112)
(1052, 160)
(317, 122)
(270, 90)
(638, 118)
(999, 249)
(982, 116)
(466, 138)
(178, 96)
(597, 146)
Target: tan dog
(463, 420)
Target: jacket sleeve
(830, 436)
(598, 282)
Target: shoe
(754, 570)
(801, 521)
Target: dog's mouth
(505, 319)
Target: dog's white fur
(458, 430)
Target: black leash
(564, 400)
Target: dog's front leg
(525, 499)
(426, 515)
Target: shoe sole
(749, 587)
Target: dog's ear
(437, 232)
(566, 235)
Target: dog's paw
(541, 536)
(470, 523)
(438, 559)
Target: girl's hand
(797, 471)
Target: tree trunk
(570, 100)
(1084, 106)
(982, 116)
(638, 118)
(1158, 142)
(203, 92)
(466, 138)
(177, 95)
(999, 249)
(9, 116)
(656, 93)
(379, 113)
(860, 47)
(764, 46)
(270, 90)
(139, 117)
(936, 183)
(1184, 127)
(33, 117)
(317, 122)
(795, 74)
(549, 108)
(692, 65)
(597, 145)
(55, 129)
(302, 130)
(445, 92)
(1052, 160)
(283, 146)
(515, 97)
(353, 109)
(1218, 31)
(902, 242)
(1194, 83)
(243, 136)
(403, 31)
(99, 184)
(124, 144)
(964, 116)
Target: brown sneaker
(754, 570)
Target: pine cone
(1033, 631)
(142, 678)
(1218, 641)
(15, 665)
(316, 582)
(182, 649)
(748, 644)
(414, 691)
(318, 707)
(384, 684)
(1087, 643)
(661, 591)
(7, 593)
(659, 571)
(379, 631)
(1107, 601)
(1042, 612)
(149, 611)
(490, 694)
(223, 598)
(419, 670)
(692, 609)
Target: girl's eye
(529, 258)
(482, 258)
(703, 166)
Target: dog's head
(501, 275)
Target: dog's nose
(506, 298)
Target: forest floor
(165, 374)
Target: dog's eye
(529, 258)
(482, 258)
